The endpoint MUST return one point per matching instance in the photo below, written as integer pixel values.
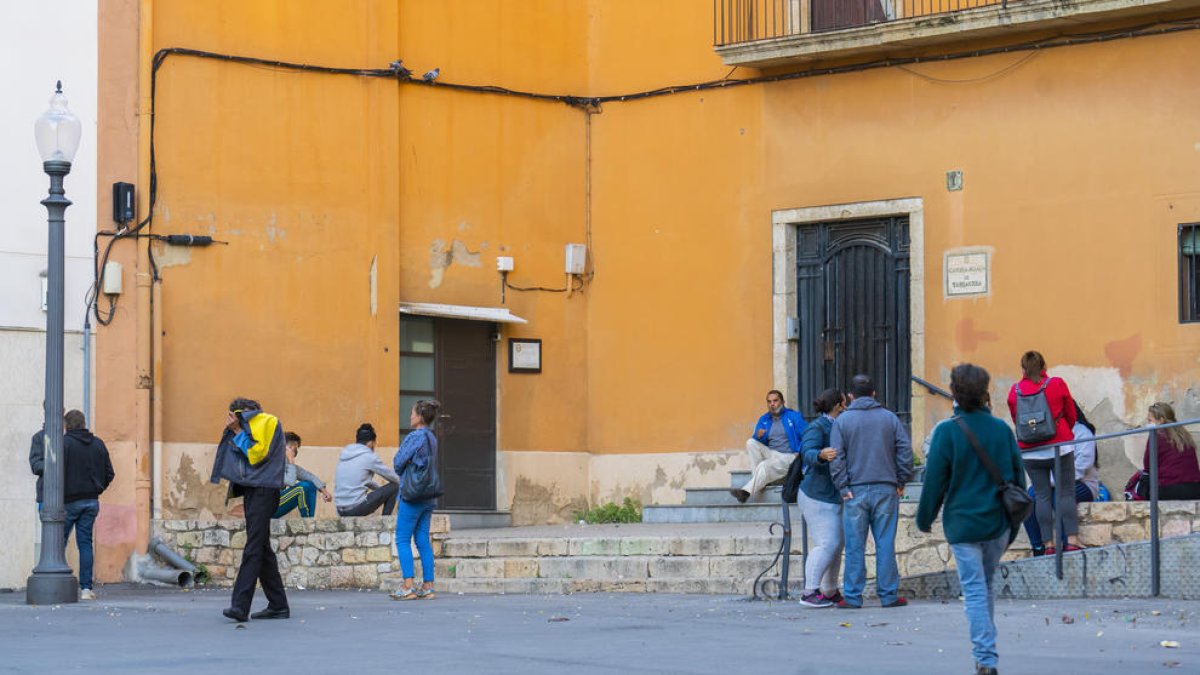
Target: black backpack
(1035, 422)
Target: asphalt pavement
(145, 630)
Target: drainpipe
(87, 366)
(145, 482)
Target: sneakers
(842, 604)
(404, 594)
(900, 601)
(740, 495)
(815, 599)
(87, 594)
(985, 670)
(835, 598)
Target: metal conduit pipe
(181, 578)
(172, 558)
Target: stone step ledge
(610, 568)
(708, 586)
(622, 546)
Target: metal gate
(852, 302)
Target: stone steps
(717, 505)
(472, 520)
(721, 563)
(717, 513)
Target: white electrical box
(504, 263)
(112, 278)
(576, 258)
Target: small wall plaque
(524, 355)
(968, 273)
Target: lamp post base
(51, 589)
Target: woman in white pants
(821, 505)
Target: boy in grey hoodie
(874, 461)
(356, 494)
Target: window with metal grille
(1189, 273)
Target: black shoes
(740, 495)
(269, 613)
(985, 670)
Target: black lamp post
(57, 132)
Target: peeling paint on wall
(1121, 353)
(536, 503)
(442, 256)
(374, 285)
(191, 495)
(968, 338)
(171, 256)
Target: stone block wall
(313, 553)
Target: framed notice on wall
(524, 355)
(968, 272)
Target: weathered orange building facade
(971, 207)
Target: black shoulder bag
(1016, 502)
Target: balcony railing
(740, 21)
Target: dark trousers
(258, 560)
(1082, 494)
(385, 495)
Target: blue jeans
(976, 567)
(412, 523)
(1082, 494)
(81, 515)
(876, 507)
(302, 495)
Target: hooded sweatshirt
(87, 468)
(872, 447)
(355, 466)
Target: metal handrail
(1155, 548)
(1153, 429)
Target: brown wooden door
(834, 14)
(454, 362)
(466, 427)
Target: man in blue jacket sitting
(773, 446)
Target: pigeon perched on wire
(400, 71)
(431, 75)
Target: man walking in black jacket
(252, 457)
(88, 472)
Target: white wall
(40, 41)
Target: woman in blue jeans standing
(973, 520)
(417, 451)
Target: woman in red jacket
(1038, 460)
(1178, 469)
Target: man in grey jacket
(874, 461)
(356, 493)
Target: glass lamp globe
(57, 130)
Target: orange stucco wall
(1078, 164)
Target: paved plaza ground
(137, 629)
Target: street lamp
(57, 132)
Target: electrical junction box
(112, 278)
(576, 258)
(504, 263)
(123, 202)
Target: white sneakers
(87, 594)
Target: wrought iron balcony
(777, 32)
